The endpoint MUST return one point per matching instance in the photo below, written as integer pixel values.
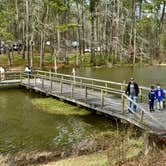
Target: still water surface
(25, 128)
(144, 75)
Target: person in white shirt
(27, 69)
(2, 72)
(73, 73)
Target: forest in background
(110, 31)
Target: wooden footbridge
(103, 96)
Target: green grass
(54, 106)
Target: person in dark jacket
(160, 96)
(152, 97)
(132, 91)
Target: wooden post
(0, 76)
(72, 90)
(81, 83)
(86, 94)
(20, 77)
(51, 85)
(92, 85)
(123, 104)
(50, 74)
(35, 80)
(28, 80)
(106, 86)
(61, 83)
(141, 95)
(42, 83)
(142, 116)
(45, 75)
(123, 86)
(102, 98)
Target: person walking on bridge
(152, 97)
(132, 91)
(2, 73)
(160, 96)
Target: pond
(143, 75)
(24, 127)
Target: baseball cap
(131, 78)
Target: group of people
(155, 94)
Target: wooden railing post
(92, 84)
(28, 80)
(123, 103)
(123, 86)
(81, 83)
(102, 98)
(35, 80)
(0, 76)
(61, 85)
(141, 94)
(86, 94)
(142, 116)
(20, 77)
(43, 82)
(50, 74)
(106, 86)
(50, 85)
(72, 90)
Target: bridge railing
(144, 116)
(88, 86)
(12, 75)
(110, 85)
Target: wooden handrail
(87, 84)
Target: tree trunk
(27, 32)
(41, 50)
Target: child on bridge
(152, 97)
(160, 96)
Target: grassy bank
(114, 146)
(111, 156)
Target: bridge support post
(81, 83)
(20, 77)
(50, 85)
(123, 86)
(34, 80)
(92, 84)
(42, 83)
(28, 80)
(61, 85)
(106, 86)
(86, 94)
(141, 95)
(72, 90)
(123, 104)
(142, 116)
(102, 98)
(50, 75)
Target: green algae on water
(54, 106)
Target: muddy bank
(86, 146)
